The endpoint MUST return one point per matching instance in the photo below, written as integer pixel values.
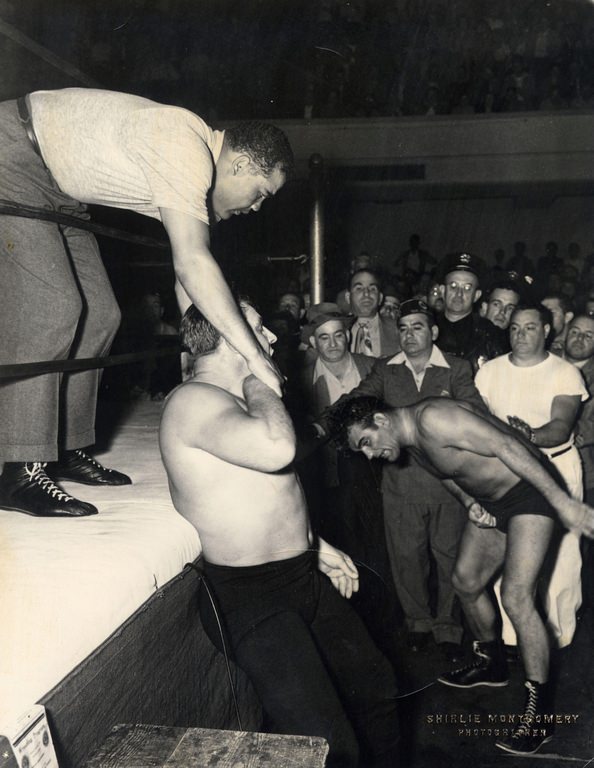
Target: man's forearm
(551, 434)
(464, 498)
(207, 288)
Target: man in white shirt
(540, 394)
(59, 151)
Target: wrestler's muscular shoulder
(432, 415)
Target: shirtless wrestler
(514, 505)
(227, 443)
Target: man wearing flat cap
(420, 516)
(462, 332)
(350, 510)
(334, 370)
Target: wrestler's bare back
(243, 516)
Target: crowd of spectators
(431, 58)
(332, 58)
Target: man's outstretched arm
(465, 430)
(200, 281)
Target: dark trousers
(311, 660)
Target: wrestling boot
(78, 467)
(489, 668)
(529, 736)
(25, 487)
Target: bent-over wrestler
(227, 443)
(60, 151)
(513, 504)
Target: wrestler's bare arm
(454, 426)
(199, 280)
(476, 513)
(210, 418)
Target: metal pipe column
(316, 229)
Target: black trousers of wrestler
(309, 657)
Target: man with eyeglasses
(462, 332)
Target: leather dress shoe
(417, 641)
(452, 652)
(25, 487)
(78, 467)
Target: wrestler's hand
(266, 370)
(577, 517)
(339, 568)
(522, 426)
(480, 517)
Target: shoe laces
(38, 475)
(476, 663)
(529, 712)
(85, 456)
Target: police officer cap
(466, 262)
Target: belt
(561, 452)
(25, 118)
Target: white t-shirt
(528, 392)
(125, 151)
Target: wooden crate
(158, 746)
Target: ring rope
(26, 370)
(9, 208)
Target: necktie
(363, 340)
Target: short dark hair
(369, 271)
(267, 146)
(545, 314)
(198, 335)
(355, 410)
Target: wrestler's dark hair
(546, 316)
(266, 145)
(198, 335)
(370, 271)
(357, 410)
